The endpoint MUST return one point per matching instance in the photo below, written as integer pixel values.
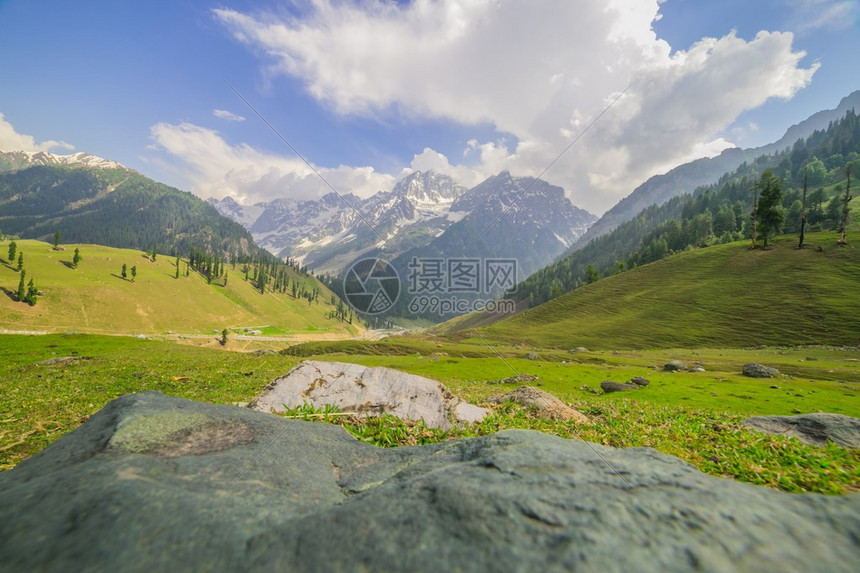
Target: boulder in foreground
(152, 483)
(366, 391)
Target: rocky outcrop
(152, 483)
(814, 429)
(547, 405)
(759, 371)
(366, 391)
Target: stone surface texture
(152, 483)
(367, 391)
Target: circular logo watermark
(371, 286)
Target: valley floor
(53, 383)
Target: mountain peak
(11, 160)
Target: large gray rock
(813, 429)
(152, 483)
(366, 391)
(759, 371)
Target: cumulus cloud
(538, 71)
(214, 168)
(228, 115)
(11, 140)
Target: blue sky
(367, 91)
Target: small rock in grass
(532, 356)
(674, 366)
(755, 370)
(547, 405)
(639, 381)
(609, 386)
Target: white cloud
(833, 14)
(228, 115)
(210, 167)
(540, 71)
(11, 140)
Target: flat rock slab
(814, 429)
(152, 483)
(547, 405)
(366, 391)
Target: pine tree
(176, 276)
(22, 292)
(754, 217)
(57, 239)
(32, 293)
(846, 199)
(133, 273)
(13, 249)
(803, 213)
(21, 261)
(769, 212)
(124, 271)
(77, 258)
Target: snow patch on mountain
(24, 159)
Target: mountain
(329, 233)
(90, 201)
(13, 160)
(715, 213)
(687, 177)
(723, 296)
(521, 223)
(510, 217)
(425, 213)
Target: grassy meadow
(719, 296)
(94, 298)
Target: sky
(266, 100)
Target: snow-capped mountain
(505, 216)
(509, 217)
(23, 159)
(329, 233)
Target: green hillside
(115, 207)
(720, 296)
(94, 298)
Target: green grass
(720, 296)
(676, 413)
(42, 402)
(94, 298)
(815, 379)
